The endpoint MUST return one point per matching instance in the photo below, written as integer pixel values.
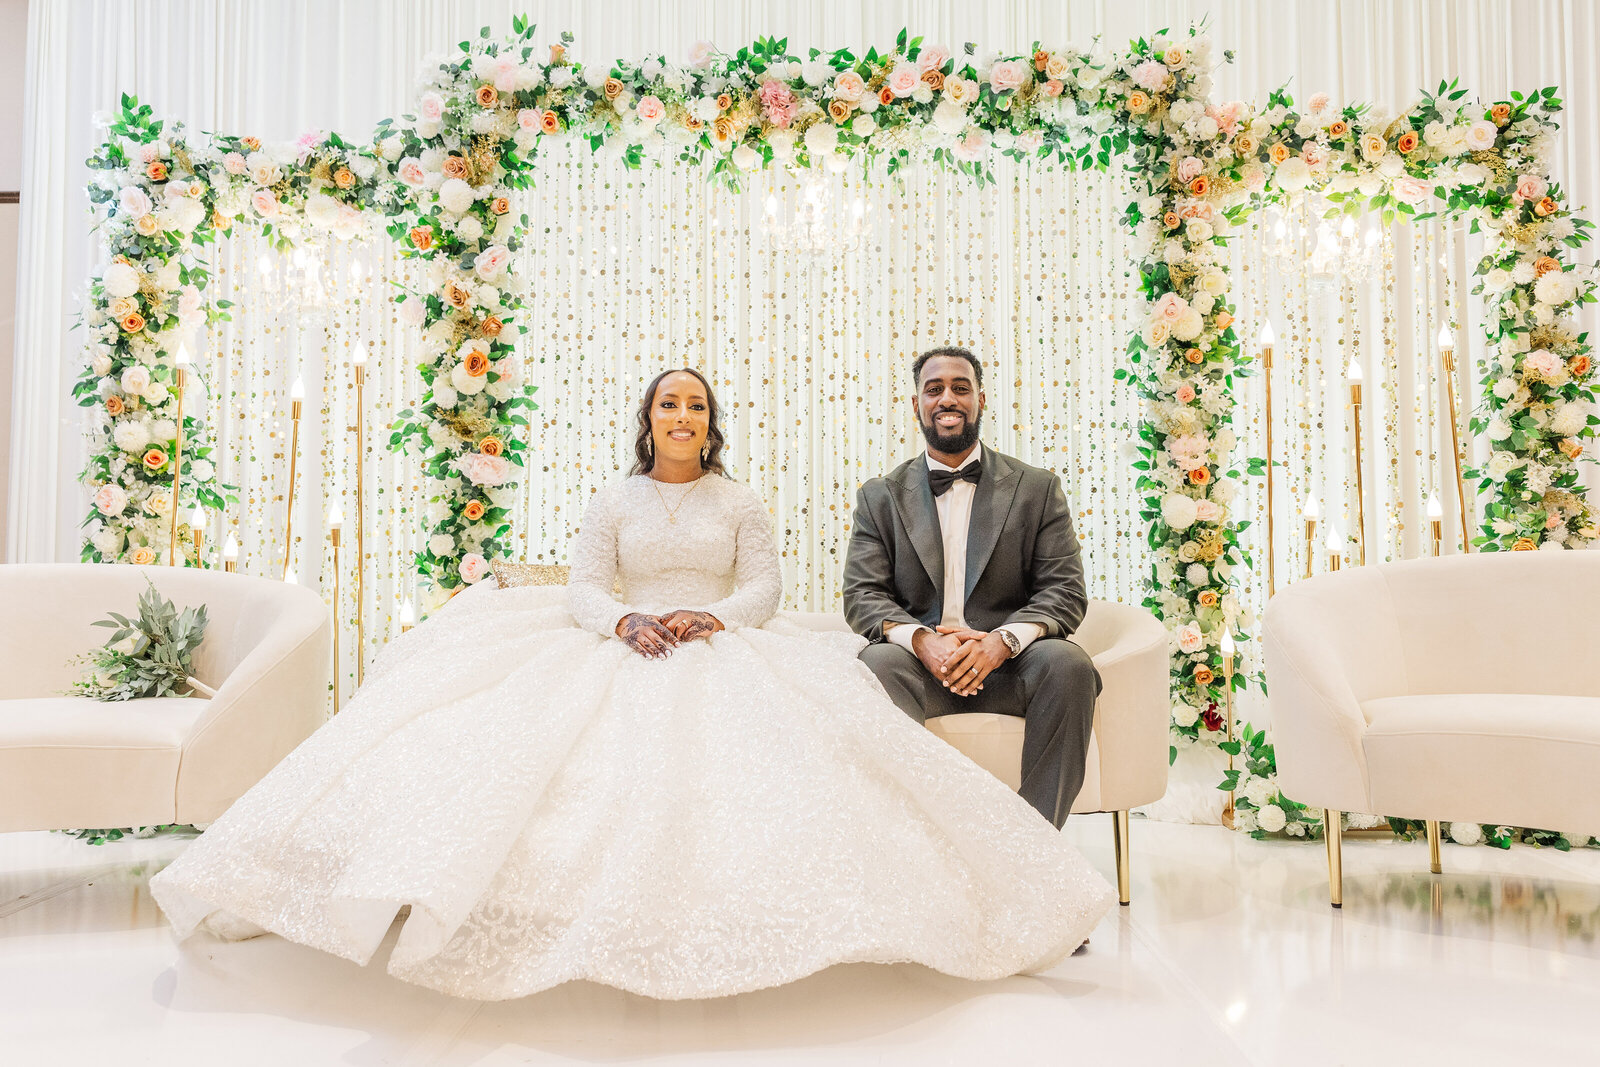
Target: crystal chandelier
(297, 281)
(1328, 255)
(806, 223)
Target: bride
(676, 793)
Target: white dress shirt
(955, 515)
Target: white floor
(1229, 954)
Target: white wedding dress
(552, 806)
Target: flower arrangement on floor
(442, 178)
(147, 656)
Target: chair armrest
(1132, 716)
(274, 699)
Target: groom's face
(949, 405)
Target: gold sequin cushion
(510, 575)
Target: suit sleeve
(1059, 596)
(869, 593)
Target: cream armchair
(68, 762)
(1128, 750)
(1464, 688)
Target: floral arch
(441, 181)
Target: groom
(964, 573)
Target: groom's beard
(955, 443)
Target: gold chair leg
(1330, 830)
(1119, 827)
(1433, 846)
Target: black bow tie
(941, 480)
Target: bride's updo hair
(644, 455)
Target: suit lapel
(991, 503)
(921, 517)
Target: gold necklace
(672, 513)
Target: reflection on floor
(1229, 954)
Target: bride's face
(680, 417)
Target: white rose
(120, 280)
(1293, 174)
(100, 363)
(822, 138)
(1178, 511)
(1497, 280)
(1271, 818)
(949, 117)
(1259, 791)
(135, 380)
(469, 229)
(441, 544)
(1185, 715)
(465, 383)
(1466, 833)
(863, 126)
(1501, 464)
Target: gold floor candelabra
(297, 397)
(358, 361)
(335, 530)
(181, 383)
(1436, 523)
(1227, 692)
(1361, 489)
(1310, 512)
(1333, 549)
(230, 555)
(408, 616)
(1447, 356)
(1266, 375)
(197, 533)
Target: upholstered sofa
(1128, 750)
(68, 762)
(1464, 688)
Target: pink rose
(189, 301)
(307, 143)
(903, 80)
(1009, 74)
(651, 109)
(777, 103)
(480, 469)
(700, 54)
(491, 261)
(1543, 362)
(1189, 168)
(1254, 178)
(970, 147)
(473, 568)
(505, 74)
(1151, 75)
(1190, 639)
(411, 172)
(1170, 308)
(135, 201)
(110, 500)
(1185, 393)
(1052, 88)
(1530, 187)
(849, 87)
(528, 118)
(933, 57)
(1412, 190)
(265, 203)
(1207, 511)
(1318, 103)
(431, 107)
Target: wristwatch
(1013, 642)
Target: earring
(650, 445)
(705, 453)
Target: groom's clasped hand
(960, 657)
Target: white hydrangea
(131, 435)
(1466, 833)
(1178, 511)
(1271, 818)
(120, 280)
(456, 196)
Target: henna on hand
(647, 635)
(692, 625)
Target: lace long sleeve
(758, 583)
(593, 576)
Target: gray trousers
(1052, 684)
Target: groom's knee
(1060, 667)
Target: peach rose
(265, 203)
(1224, 320)
(143, 556)
(838, 110)
(499, 205)
(1338, 128)
(1200, 476)
(1203, 674)
(477, 364)
(473, 511)
(343, 178)
(1578, 366)
(474, 566)
(1529, 187)
(549, 121)
(1524, 544)
(1194, 355)
(422, 237)
(933, 79)
(1174, 58)
(156, 171)
(1500, 114)
(456, 296)
(146, 225)
(1407, 142)
(1170, 220)
(133, 322)
(114, 405)
(612, 88)
(1200, 186)
(1209, 598)
(491, 446)
(454, 167)
(252, 143)
(491, 327)
(1245, 145)
(1546, 206)
(221, 221)
(1041, 60)
(1278, 152)
(486, 96)
(1138, 101)
(724, 101)
(886, 96)
(1053, 88)
(154, 459)
(1184, 394)
(557, 54)
(1571, 447)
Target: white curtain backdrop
(809, 358)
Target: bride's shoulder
(739, 493)
(613, 494)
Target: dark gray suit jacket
(1023, 562)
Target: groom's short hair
(947, 350)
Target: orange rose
(1524, 544)
(491, 446)
(724, 101)
(557, 54)
(612, 88)
(1338, 128)
(343, 178)
(114, 405)
(549, 121)
(1278, 152)
(422, 237)
(143, 556)
(477, 364)
(154, 459)
(1041, 59)
(1407, 142)
(1138, 101)
(1245, 145)
(1571, 447)
(456, 296)
(133, 322)
(455, 167)
(500, 205)
(690, 122)
(1544, 265)
(1200, 476)
(1200, 186)
(1203, 675)
(252, 143)
(221, 221)
(491, 327)
(933, 79)
(1209, 598)
(1500, 114)
(1170, 220)
(1544, 207)
(1224, 320)
(838, 110)
(886, 96)
(486, 95)
(1194, 355)
(1578, 366)
(156, 171)
(473, 511)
